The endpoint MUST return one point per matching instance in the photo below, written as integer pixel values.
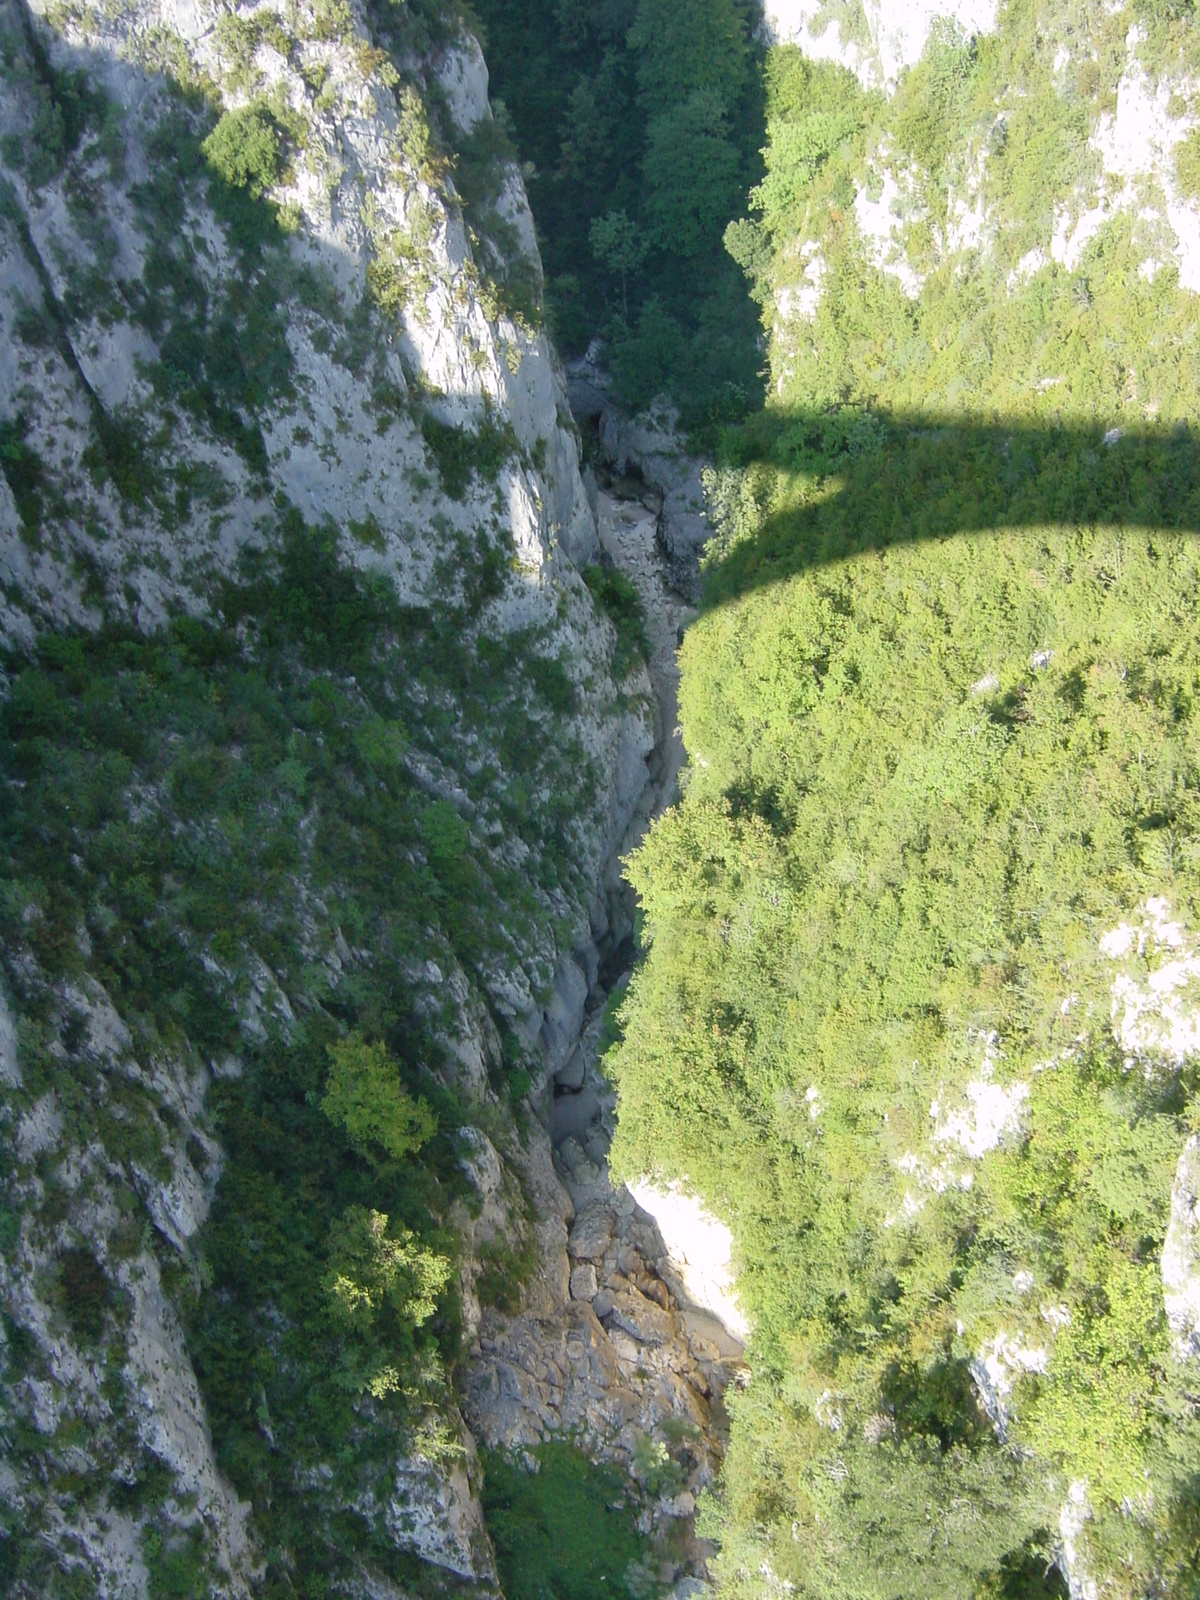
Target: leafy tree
(644, 358)
(687, 45)
(573, 18)
(587, 133)
(364, 1096)
(620, 245)
(921, 793)
(691, 169)
(246, 149)
(379, 1287)
(372, 1270)
(591, 89)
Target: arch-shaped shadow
(841, 485)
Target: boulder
(480, 1161)
(564, 1015)
(591, 1234)
(652, 443)
(640, 1318)
(571, 1076)
(598, 1147)
(572, 1116)
(583, 1282)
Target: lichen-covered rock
(434, 1511)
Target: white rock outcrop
(1156, 995)
(700, 1248)
(995, 1369)
(10, 1072)
(1181, 1252)
(883, 38)
(435, 1512)
(1136, 146)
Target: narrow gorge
(599, 797)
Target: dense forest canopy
(641, 125)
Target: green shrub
(368, 532)
(618, 598)
(462, 453)
(372, 1272)
(552, 684)
(245, 149)
(175, 1564)
(566, 1530)
(84, 1292)
(23, 470)
(364, 1096)
(401, 270)
(504, 1271)
(1187, 165)
(644, 359)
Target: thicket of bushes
(940, 707)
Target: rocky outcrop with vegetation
(317, 748)
(392, 1201)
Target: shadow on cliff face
(799, 490)
(213, 293)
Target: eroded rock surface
(618, 1357)
(1181, 1252)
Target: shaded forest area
(641, 126)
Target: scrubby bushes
(925, 783)
(940, 708)
(462, 453)
(225, 805)
(617, 596)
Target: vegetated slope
(310, 756)
(917, 1012)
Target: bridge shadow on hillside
(856, 482)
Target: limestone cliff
(270, 296)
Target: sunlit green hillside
(921, 934)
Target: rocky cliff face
(1126, 174)
(269, 287)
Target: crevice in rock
(607, 1346)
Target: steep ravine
(621, 1342)
(313, 753)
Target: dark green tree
(685, 45)
(691, 170)
(619, 244)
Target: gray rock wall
(376, 307)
